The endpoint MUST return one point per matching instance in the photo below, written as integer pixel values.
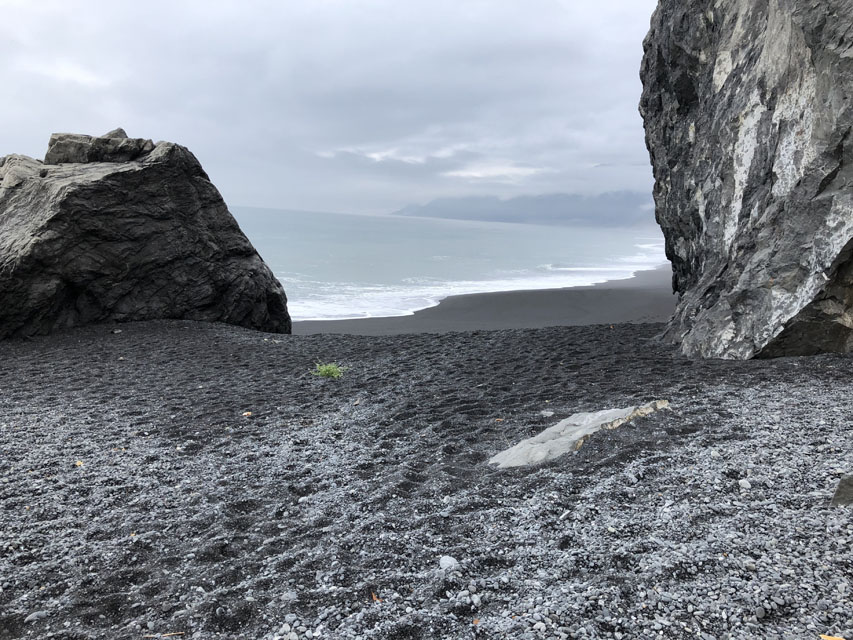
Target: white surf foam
(309, 300)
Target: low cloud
(344, 106)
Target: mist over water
(339, 266)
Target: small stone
(760, 612)
(35, 616)
(844, 493)
(118, 132)
(744, 483)
(539, 626)
(448, 563)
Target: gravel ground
(197, 480)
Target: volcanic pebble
(194, 478)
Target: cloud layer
(341, 105)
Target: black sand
(647, 297)
(196, 479)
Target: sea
(342, 266)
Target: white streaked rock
(570, 434)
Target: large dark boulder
(112, 228)
(748, 115)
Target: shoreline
(645, 297)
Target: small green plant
(329, 370)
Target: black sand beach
(647, 297)
(186, 480)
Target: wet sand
(647, 297)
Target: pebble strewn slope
(139, 497)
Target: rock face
(748, 116)
(112, 228)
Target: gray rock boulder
(118, 229)
(748, 116)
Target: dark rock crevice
(826, 322)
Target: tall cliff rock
(113, 228)
(748, 116)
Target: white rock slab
(570, 434)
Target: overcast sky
(342, 105)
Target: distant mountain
(616, 208)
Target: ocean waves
(336, 266)
(311, 299)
